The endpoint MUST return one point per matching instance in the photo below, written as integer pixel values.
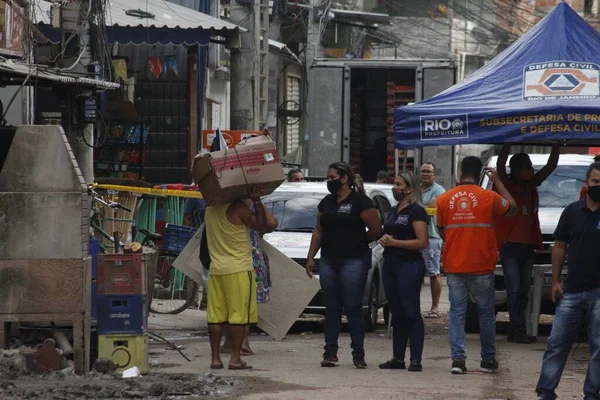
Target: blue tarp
(544, 87)
(142, 35)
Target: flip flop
(246, 353)
(432, 314)
(216, 366)
(243, 365)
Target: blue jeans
(517, 264)
(343, 283)
(402, 283)
(571, 310)
(481, 288)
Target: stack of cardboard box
(225, 176)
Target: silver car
(558, 191)
(295, 206)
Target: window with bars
(292, 98)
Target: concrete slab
(44, 206)
(42, 286)
(40, 159)
(41, 225)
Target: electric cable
(159, 338)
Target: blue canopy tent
(545, 87)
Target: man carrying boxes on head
(232, 283)
(224, 178)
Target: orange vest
(466, 213)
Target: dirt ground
(290, 369)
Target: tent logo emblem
(457, 124)
(561, 80)
(444, 127)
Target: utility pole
(313, 44)
(313, 51)
(261, 63)
(82, 135)
(250, 66)
(242, 65)
(274, 72)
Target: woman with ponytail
(405, 236)
(346, 224)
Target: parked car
(386, 188)
(295, 206)
(559, 190)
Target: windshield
(294, 211)
(563, 186)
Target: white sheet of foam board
(291, 292)
(188, 260)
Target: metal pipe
(63, 343)
(14, 343)
(117, 242)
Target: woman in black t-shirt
(405, 236)
(342, 236)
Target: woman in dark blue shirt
(405, 236)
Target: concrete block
(42, 286)
(39, 160)
(40, 226)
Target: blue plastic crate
(94, 299)
(93, 251)
(176, 237)
(122, 314)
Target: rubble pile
(12, 364)
(17, 383)
(33, 360)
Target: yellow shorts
(232, 299)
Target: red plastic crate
(121, 274)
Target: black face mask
(334, 185)
(399, 196)
(594, 193)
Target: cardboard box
(231, 137)
(224, 176)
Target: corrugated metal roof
(40, 72)
(165, 15)
(361, 16)
(281, 50)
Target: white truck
(350, 108)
